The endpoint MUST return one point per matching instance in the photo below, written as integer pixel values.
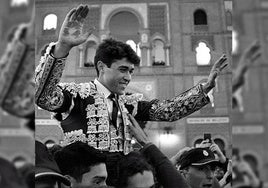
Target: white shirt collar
(101, 88)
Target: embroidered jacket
(16, 75)
(84, 113)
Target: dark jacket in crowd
(166, 173)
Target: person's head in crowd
(82, 164)
(9, 175)
(27, 171)
(197, 166)
(47, 172)
(114, 62)
(135, 171)
(219, 155)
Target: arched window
(90, 54)
(50, 22)
(18, 3)
(234, 42)
(158, 52)
(125, 26)
(202, 54)
(200, 17)
(229, 18)
(135, 47)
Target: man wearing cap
(47, 173)
(197, 166)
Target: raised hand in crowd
(204, 144)
(216, 149)
(224, 181)
(73, 31)
(216, 69)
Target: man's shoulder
(83, 89)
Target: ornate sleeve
(48, 95)
(180, 106)
(16, 73)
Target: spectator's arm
(228, 173)
(166, 172)
(215, 148)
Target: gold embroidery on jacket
(47, 75)
(180, 106)
(100, 133)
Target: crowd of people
(84, 166)
(79, 165)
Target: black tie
(115, 108)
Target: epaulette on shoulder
(133, 98)
(83, 89)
